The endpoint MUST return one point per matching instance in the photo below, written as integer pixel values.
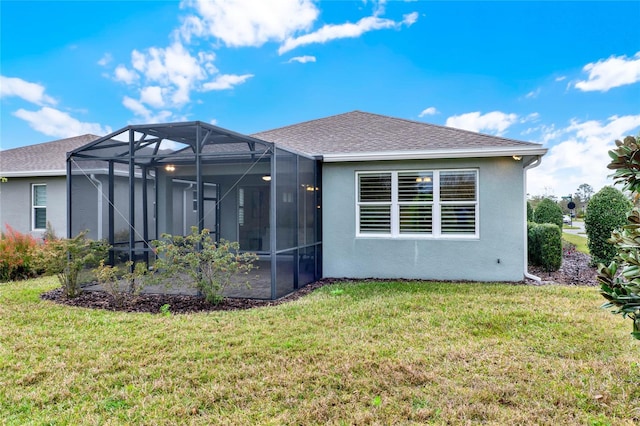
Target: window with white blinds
(433, 203)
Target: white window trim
(437, 204)
(34, 207)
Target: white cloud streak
(347, 30)
(105, 60)
(226, 82)
(302, 59)
(608, 73)
(428, 111)
(56, 123)
(494, 122)
(30, 92)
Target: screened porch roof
(151, 144)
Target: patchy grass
(384, 353)
(577, 240)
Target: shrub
(548, 212)
(211, 265)
(118, 282)
(65, 258)
(606, 212)
(529, 212)
(545, 245)
(17, 252)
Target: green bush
(213, 266)
(548, 212)
(529, 212)
(545, 245)
(606, 211)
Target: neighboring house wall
(16, 207)
(500, 214)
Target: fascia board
(432, 155)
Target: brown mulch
(575, 270)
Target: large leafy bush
(606, 211)
(620, 280)
(548, 212)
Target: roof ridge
(307, 121)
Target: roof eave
(433, 154)
(34, 173)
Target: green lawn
(577, 240)
(382, 353)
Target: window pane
(458, 219)
(39, 195)
(375, 219)
(40, 220)
(415, 186)
(457, 185)
(415, 219)
(375, 187)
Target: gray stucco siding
(500, 215)
(16, 207)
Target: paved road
(580, 230)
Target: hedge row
(544, 245)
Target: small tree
(548, 212)
(65, 258)
(212, 266)
(529, 212)
(606, 212)
(620, 281)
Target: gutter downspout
(185, 200)
(99, 187)
(535, 163)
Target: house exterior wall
(15, 204)
(500, 214)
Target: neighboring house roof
(362, 136)
(44, 159)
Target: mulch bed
(575, 270)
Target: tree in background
(620, 281)
(581, 197)
(606, 212)
(548, 211)
(529, 212)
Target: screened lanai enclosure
(135, 184)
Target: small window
(39, 206)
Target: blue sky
(565, 74)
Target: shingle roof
(363, 132)
(49, 158)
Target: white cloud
(561, 78)
(226, 81)
(428, 111)
(248, 22)
(31, 92)
(56, 123)
(533, 94)
(495, 122)
(302, 59)
(608, 73)
(347, 30)
(410, 18)
(153, 96)
(105, 60)
(580, 155)
(125, 75)
(144, 114)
